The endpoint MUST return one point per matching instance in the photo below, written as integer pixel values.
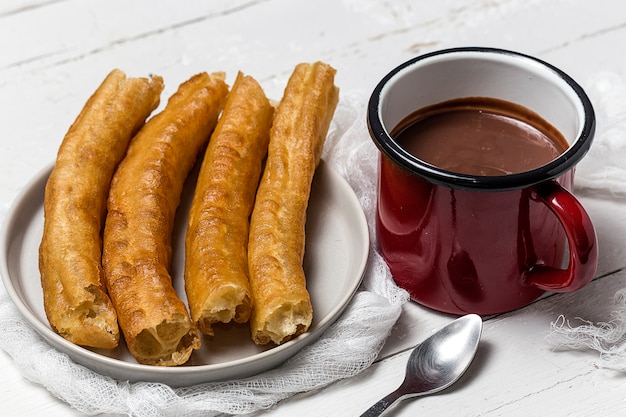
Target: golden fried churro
(216, 263)
(75, 299)
(145, 193)
(282, 307)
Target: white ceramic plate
(336, 254)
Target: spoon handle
(379, 408)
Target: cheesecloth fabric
(354, 341)
(602, 171)
(345, 349)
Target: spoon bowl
(437, 362)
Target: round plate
(337, 246)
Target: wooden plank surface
(53, 54)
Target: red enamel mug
(462, 243)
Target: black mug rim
(557, 167)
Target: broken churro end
(170, 343)
(229, 303)
(285, 323)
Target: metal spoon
(437, 362)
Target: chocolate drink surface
(480, 136)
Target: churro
(75, 298)
(144, 196)
(216, 262)
(282, 307)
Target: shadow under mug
(460, 243)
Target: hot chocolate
(480, 136)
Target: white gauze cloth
(602, 171)
(349, 346)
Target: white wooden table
(54, 52)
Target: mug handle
(581, 237)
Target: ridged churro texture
(282, 306)
(75, 298)
(144, 196)
(216, 262)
